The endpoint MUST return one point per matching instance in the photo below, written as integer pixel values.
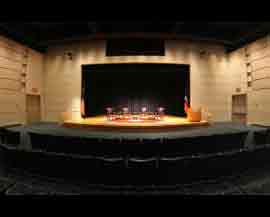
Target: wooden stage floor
(101, 122)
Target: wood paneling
(261, 73)
(258, 104)
(13, 56)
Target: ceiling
(39, 35)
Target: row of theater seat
(110, 169)
(262, 137)
(9, 137)
(117, 171)
(137, 147)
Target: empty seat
(259, 156)
(179, 147)
(66, 166)
(56, 143)
(38, 141)
(218, 165)
(90, 146)
(172, 170)
(9, 137)
(111, 171)
(195, 170)
(132, 146)
(268, 136)
(152, 147)
(111, 148)
(231, 142)
(260, 137)
(72, 145)
(142, 171)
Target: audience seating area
(136, 147)
(134, 162)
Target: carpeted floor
(256, 182)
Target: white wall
(210, 83)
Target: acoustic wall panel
(261, 73)
(15, 62)
(261, 63)
(261, 84)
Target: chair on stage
(126, 115)
(109, 114)
(160, 113)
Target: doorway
(239, 108)
(33, 108)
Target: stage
(167, 123)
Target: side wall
(210, 82)
(255, 59)
(18, 71)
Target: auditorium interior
(134, 108)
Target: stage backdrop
(135, 86)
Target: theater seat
(268, 136)
(9, 137)
(90, 146)
(152, 147)
(111, 171)
(111, 148)
(172, 170)
(260, 156)
(56, 144)
(142, 171)
(38, 141)
(180, 147)
(260, 137)
(218, 165)
(225, 143)
(132, 147)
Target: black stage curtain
(135, 86)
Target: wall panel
(207, 75)
(13, 56)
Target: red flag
(186, 105)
